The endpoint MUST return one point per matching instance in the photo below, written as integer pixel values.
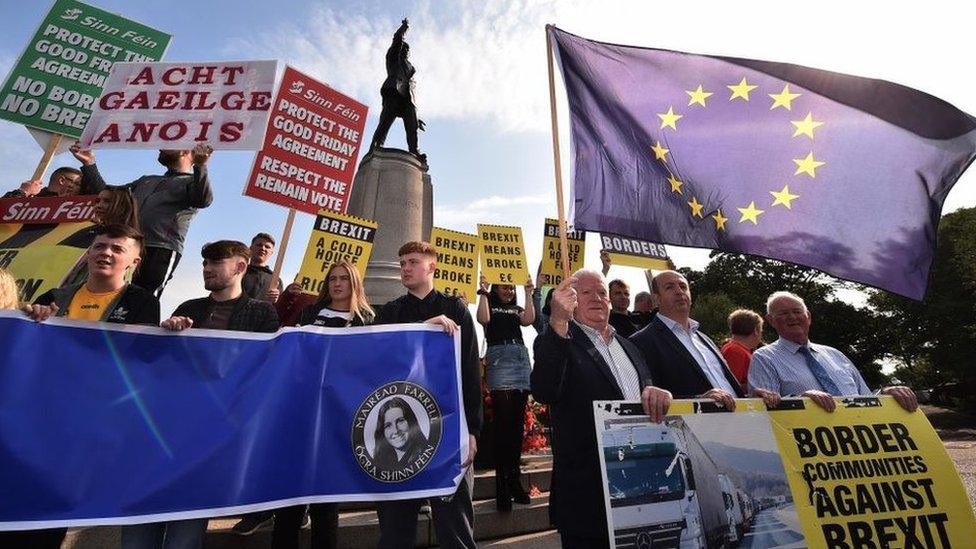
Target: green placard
(60, 75)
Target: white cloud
(496, 210)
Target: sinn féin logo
(396, 431)
(297, 86)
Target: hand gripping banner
(123, 425)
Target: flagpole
(560, 208)
(280, 260)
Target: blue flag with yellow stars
(835, 172)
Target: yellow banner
(633, 252)
(41, 256)
(872, 474)
(869, 474)
(552, 267)
(335, 237)
(503, 254)
(457, 263)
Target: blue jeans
(508, 367)
(177, 534)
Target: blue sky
(482, 88)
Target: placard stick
(280, 259)
(563, 240)
(49, 151)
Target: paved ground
(958, 432)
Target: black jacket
(409, 308)
(672, 366)
(569, 374)
(257, 281)
(132, 306)
(249, 315)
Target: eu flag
(840, 173)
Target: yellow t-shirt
(87, 305)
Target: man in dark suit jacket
(682, 359)
(578, 360)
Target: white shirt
(621, 367)
(701, 352)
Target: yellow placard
(552, 267)
(41, 256)
(869, 474)
(502, 254)
(633, 252)
(872, 474)
(457, 263)
(335, 237)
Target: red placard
(310, 149)
(52, 209)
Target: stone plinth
(393, 188)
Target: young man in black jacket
(454, 516)
(104, 295)
(258, 280)
(226, 308)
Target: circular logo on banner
(396, 431)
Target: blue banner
(119, 425)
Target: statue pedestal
(392, 187)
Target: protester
(103, 296)
(682, 359)
(620, 317)
(746, 328)
(508, 369)
(64, 181)
(116, 206)
(453, 517)
(8, 290)
(258, 278)
(342, 303)
(643, 310)
(167, 205)
(226, 308)
(578, 360)
(795, 366)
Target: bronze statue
(398, 95)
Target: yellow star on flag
(784, 197)
(659, 151)
(669, 119)
(719, 220)
(741, 89)
(807, 165)
(784, 98)
(750, 213)
(696, 207)
(698, 96)
(675, 184)
(806, 126)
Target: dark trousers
(508, 412)
(578, 542)
(33, 539)
(288, 526)
(155, 270)
(395, 105)
(453, 519)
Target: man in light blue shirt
(793, 365)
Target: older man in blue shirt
(794, 365)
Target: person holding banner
(508, 380)
(104, 295)
(682, 359)
(167, 205)
(580, 359)
(64, 181)
(342, 303)
(794, 365)
(453, 516)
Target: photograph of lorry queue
(694, 481)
